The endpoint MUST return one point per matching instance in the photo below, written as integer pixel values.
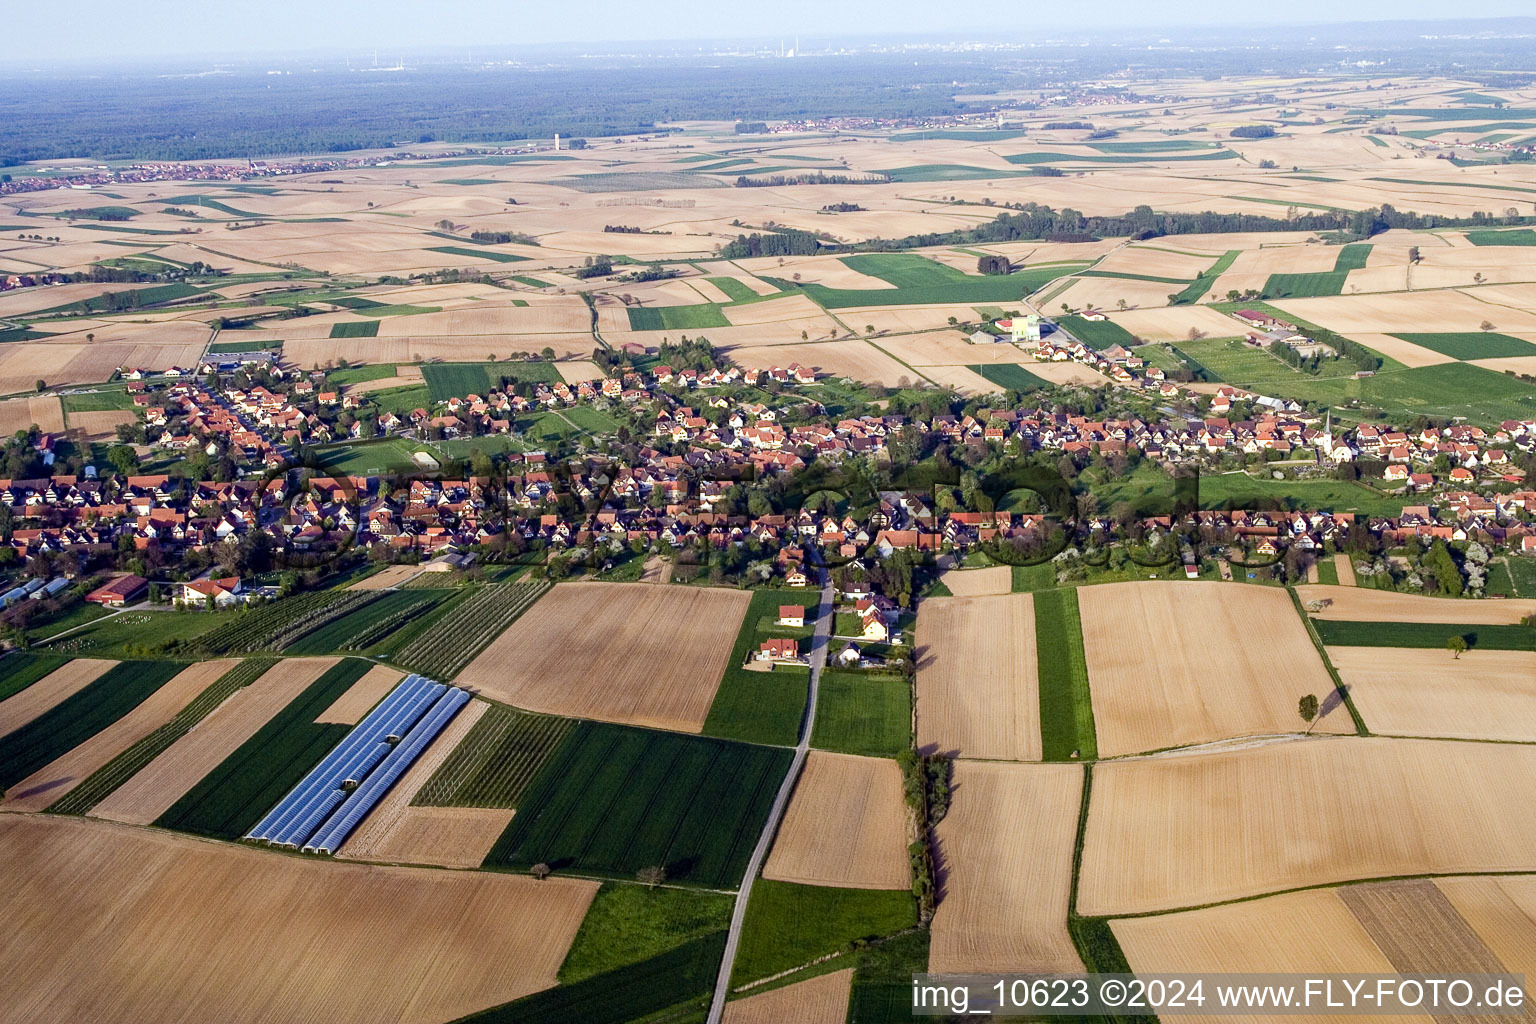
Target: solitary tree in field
(1477, 278)
(652, 876)
(1413, 254)
(1486, 325)
(1307, 709)
(869, 328)
(1457, 645)
(539, 871)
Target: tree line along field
(614, 800)
(230, 799)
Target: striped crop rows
(102, 782)
(496, 761)
(443, 651)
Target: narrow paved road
(818, 655)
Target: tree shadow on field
(922, 657)
(1333, 699)
(940, 860)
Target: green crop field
(761, 707)
(360, 374)
(629, 923)
(1353, 257)
(1011, 376)
(1484, 396)
(882, 979)
(1516, 236)
(228, 801)
(788, 925)
(1234, 360)
(614, 800)
(354, 302)
(1472, 344)
(364, 626)
(1096, 334)
(479, 254)
(225, 347)
(1327, 572)
(366, 329)
(463, 632)
(101, 783)
(20, 669)
(1239, 490)
(736, 289)
(458, 380)
(1339, 633)
(921, 281)
(80, 716)
(96, 401)
(131, 633)
(1301, 286)
(1066, 709)
(494, 764)
(399, 309)
(19, 334)
(471, 181)
(1198, 287)
(150, 296)
(859, 713)
(678, 980)
(677, 318)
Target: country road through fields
(818, 655)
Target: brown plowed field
(389, 576)
(69, 678)
(1418, 928)
(990, 582)
(1364, 605)
(1410, 691)
(1346, 568)
(53, 780)
(22, 413)
(361, 696)
(821, 1000)
(201, 931)
(634, 653)
(846, 826)
(1172, 663)
(1185, 830)
(977, 678)
(1005, 868)
(166, 779)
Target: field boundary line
(1322, 652)
(821, 638)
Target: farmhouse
(1253, 318)
(119, 591)
(791, 615)
(225, 592)
(778, 650)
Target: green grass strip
(1423, 635)
(1066, 706)
(105, 780)
(1322, 652)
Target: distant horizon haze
(95, 31)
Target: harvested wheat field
(1067, 373)
(209, 931)
(450, 837)
(1172, 663)
(632, 653)
(64, 681)
(1429, 692)
(977, 688)
(1189, 829)
(1409, 311)
(846, 826)
(578, 371)
(1359, 604)
(389, 576)
(820, 1000)
(1418, 928)
(1502, 911)
(851, 358)
(315, 352)
(990, 582)
(1346, 569)
(1405, 352)
(101, 425)
(966, 382)
(1175, 323)
(1311, 931)
(361, 696)
(63, 774)
(166, 779)
(44, 412)
(1005, 855)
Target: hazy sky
(96, 29)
